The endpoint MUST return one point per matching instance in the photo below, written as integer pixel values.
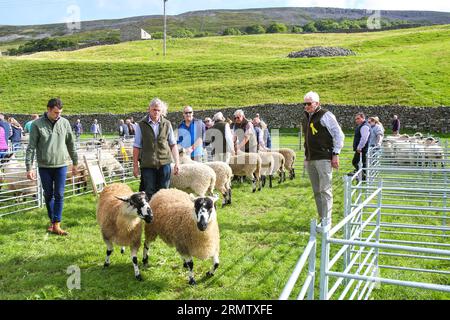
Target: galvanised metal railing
(18, 194)
(309, 255)
(398, 200)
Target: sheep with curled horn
(120, 213)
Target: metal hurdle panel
(395, 230)
(18, 194)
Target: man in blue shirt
(191, 134)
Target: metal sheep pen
(18, 194)
(368, 247)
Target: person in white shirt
(324, 140)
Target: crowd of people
(156, 146)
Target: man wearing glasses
(244, 133)
(191, 134)
(324, 140)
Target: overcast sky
(27, 12)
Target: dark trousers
(355, 162)
(153, 180)
(53, 182)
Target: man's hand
(176, 169)
(75, 170)
(31, 175)
(335, 162)
(358, 150)
(136, 171)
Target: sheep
(267, 165)
(195, 177)
(289, 158)
(187, 223)
(224, 175)
(434, 153)
(223, 172)
(15, 178)
(247, 165)
(80, 179)
(108, 163)
(119, 214)
(408, 153)
(278, 166)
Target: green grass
(408, 67)
(262, 236)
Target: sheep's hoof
(192, 282)
(106, 265)
(185, 265)
(209, 274)
(139, 277)
(122, 250)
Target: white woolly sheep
(247, 165)
(434, 153)
(189, 224)
(224, 175)
(194, 177)
(289, 160)
(267, 165)
(278, 166)
(120, 213)
(223, 172)
(15, 178)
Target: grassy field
(408, 67)
(262, 236)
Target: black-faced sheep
(120, 213)
(187, 223)
(247, 165)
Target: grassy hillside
(403, 66)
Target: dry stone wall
(425, 119)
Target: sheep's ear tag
(124, 199)
(192, 197)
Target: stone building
(133, 33)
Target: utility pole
(165, 28)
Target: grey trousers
(321, 174)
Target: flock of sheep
(185, 215)
(405, 150)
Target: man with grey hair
(154, 141)
(220, 139)
(244, 133)
(324, 140)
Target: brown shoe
(50, 229)
(57, 229)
